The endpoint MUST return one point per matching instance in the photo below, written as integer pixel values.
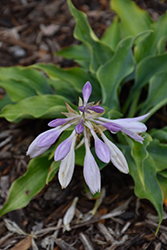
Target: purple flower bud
(79, 128)
(47, 138)
(86, 92)
(59, 122)
(67, 167)
(83, 109)
(33, 151)
(101, 149)
(97, 109)
(91, 172)
(63, 149)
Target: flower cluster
(87, 122)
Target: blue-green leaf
(75, 76)
(133, 19)
(158, 151)
(111, 37)
(27, 186)
(154, 43)
(113, 72)
(100, 52)
(160, 134)
(78, 52)
(145, 70)
(157, 95)
(143, 169)
(44, 106)
(22, 78)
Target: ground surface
(30, 32)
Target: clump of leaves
(131, 49)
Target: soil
(31, 31)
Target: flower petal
(101, 149)
(130, 126)
(111, 126)
(67, 167)
(91, 172)
(47, 138)
(33, 151)
(117, 156)
(134, 126)
(63, 149)
(86, 92)
(69, 215)
(138, 118)
(133, 135)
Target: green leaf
(157, 95)
(26, 187)
(133, 19)
(140, 154)
(17, 89)
(64, 88)
(163, 173)
(158, 152)
(79, 155)
(143, 169)
(155, 42)
(5, 101)
(30, 78)
(78, 53)
(44, 106)
(161, 46)
(76, 77)
(162, 182)
(52, 171)
(145, 70)
(111, 37)
(160, 134)
(113, 72)
(100, 52)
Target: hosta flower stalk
(87, 123)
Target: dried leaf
(69, 215)
(13, 227)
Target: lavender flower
(87, 122)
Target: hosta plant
(127, 70)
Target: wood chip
(64, 245)
(158, 246)
(18, 42)
(118, 243)
(86, 242)
(4, 238)
(105, 232)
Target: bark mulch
(31, 32)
